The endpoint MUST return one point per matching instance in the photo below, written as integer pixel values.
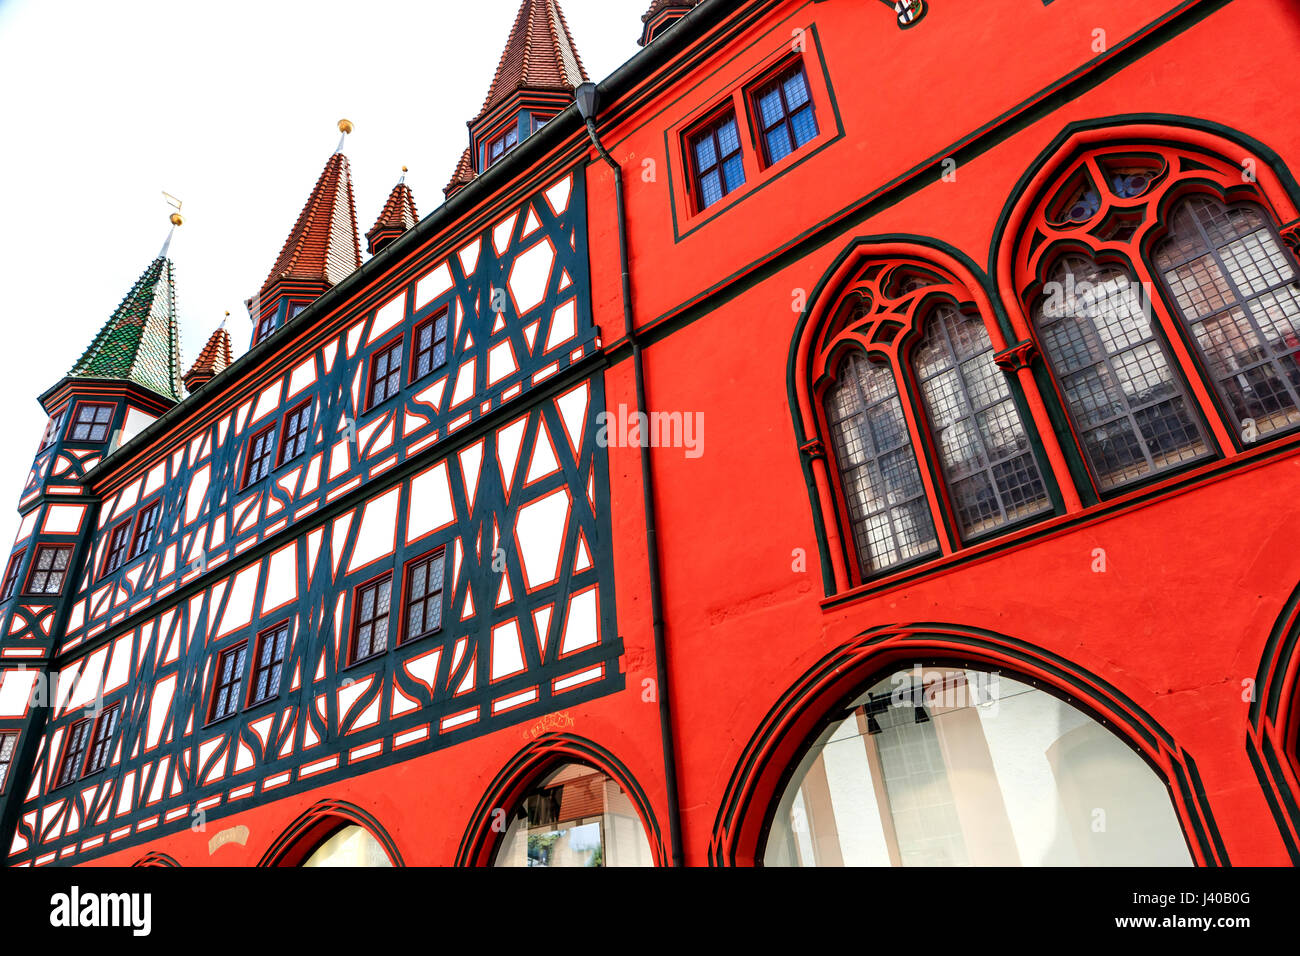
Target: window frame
(108, 566)
(775, 76)
(7, 764)
(513, 129)
(354, 631)
(269, 456)
(394, 345)
(66, 774)
(281, 459)
(72, 421)
(264, 638)
(32, 570)
(405, 601)
(101, 741)
(235, 699)
(432, 321)
(10, 586)
(708, 126)
(153, 510)
(53, 427)
(265, 326)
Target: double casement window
(776, 113)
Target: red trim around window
(355, 626)
(383, 349)
(125, 528)
(11, 574)
(244, 481)
(280, 458)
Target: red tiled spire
(214, 357)
(323, 246)
(397, 216)
(539, 55)
(663, 14)
(464, 174)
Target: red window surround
(118, 539)
(11, 574)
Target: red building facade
(852, 432)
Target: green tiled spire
(139, 342)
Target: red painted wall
(1195, 578)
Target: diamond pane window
(49, 569)
(269, 663)
(716, 162)
(430, 347)
(11, 574)
(991, 472)
(1234, 287)
(886, 501)
(73, 751)
(51, 431)
(373, 611)
(1129, 407)
(230, 679)
(785, 114)
(145, 525)
(117, 545)
(424, 580)
(100, 740)
(261, 449)
(386, 374)
(296, 431)
(8, 743)
(91, 422)
(502, 145)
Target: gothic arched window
(1234, 286)
(878, 469)
(926, 443)
(983, 448)
(1124, 394)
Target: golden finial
(404, 169)
(345, 126)
(176, 219)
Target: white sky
(232, 108)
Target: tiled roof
(539, 55)
(464, 174)
(214, 357)
(324, 244)
(139, 342)
(397, 216)
(660, 11)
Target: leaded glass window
(1129, 406)
(1234, 286)
(424, 580)
(144, 529)
(269, 663)
(430, 347)
(886, 501)
(785, 114)
(230, 680)
(993, 478)
(373, 611)
(49, 569)
(261, 448)
(716, 160)
(297, 430)
(386, 374)
(73, 751)
(91, 422)
(8, 742)
(101, 739)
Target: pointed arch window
(1234, 287)
(928, 448)
(1121, 388)
(878, 467)
(992, 476)
(1166, 306)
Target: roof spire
(397, 216)
(215, 357)
(323, 247)
(139, 343)
(539, 55)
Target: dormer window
(91, 422)
(502, 145)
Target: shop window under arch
(574, 816)
(946, 765)
(351, 846)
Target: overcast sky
(231, 107)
